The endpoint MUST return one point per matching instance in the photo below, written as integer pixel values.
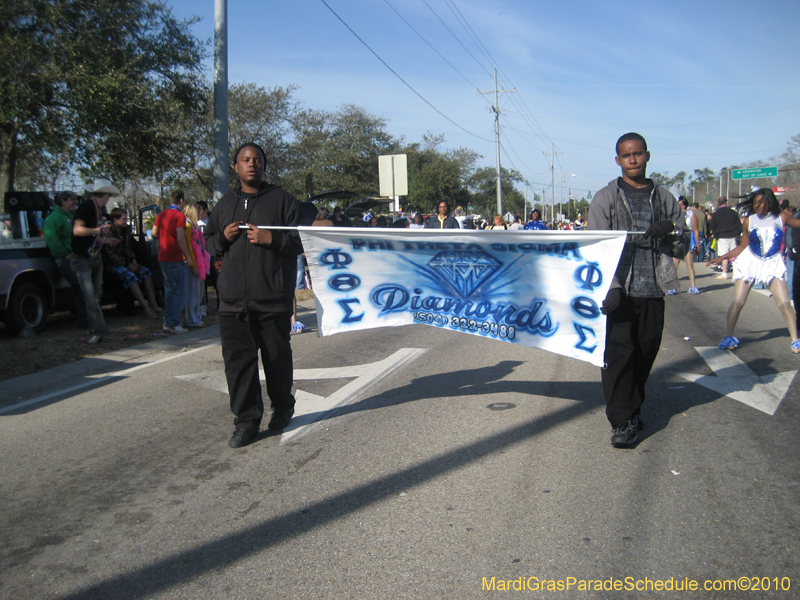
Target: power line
(422, 37)
(471, 32)
(482, 47)
(457, 38)
(408, 85)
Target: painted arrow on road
(311, 408)
(733, 378)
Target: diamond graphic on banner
(465, 272)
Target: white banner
(534, 288)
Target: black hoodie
(256, 278)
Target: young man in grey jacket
(634, 305)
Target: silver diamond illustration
(465, 271)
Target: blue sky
(708, 83)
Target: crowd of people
(88, 242)
(443, 219)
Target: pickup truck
(31, 286)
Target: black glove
(660, 228)
(612, 301)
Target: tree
(339, 149)
(679, 183)
(660, 179)
(577, 207)
(704, 183)
(255, 114)
(483, 184)
(434, 176)
(99, 81)
(676, 184)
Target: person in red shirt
(173, 258)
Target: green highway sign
(754, 173)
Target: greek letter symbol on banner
(582, 331)
(589, 276)
(349, 317)
(586, 307)
(335, 257)
(346, 282)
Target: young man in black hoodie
(256, 289)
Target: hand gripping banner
(533, 288)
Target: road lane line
(97, 379)
(734, 379)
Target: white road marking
(95, 379)
(733, 378)
(311, 408)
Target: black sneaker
(625, 435)
(243, 436)
(280, 419)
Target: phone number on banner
(484, 327)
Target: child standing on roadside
(198, 269)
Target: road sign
(754, 173)
(393, 175)
(782, 189)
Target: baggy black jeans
(243, 336)
(633, 337)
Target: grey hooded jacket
(610, 210)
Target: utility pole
(552, 155)
(544, 207)
(496, 111)
(220, 166)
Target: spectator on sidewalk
(322, 219)
(173, 258)
(726, 227)
(535, 224)
(58, 237)
(197, 270)
(88, 237)
(442, 219)
(694, 248)
(498, 224)
(340, 219)
(702, 231)
(202, 214)
(788, 240)
(120, 259)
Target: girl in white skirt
(758, 260)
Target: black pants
(243, 335)
(633, 337)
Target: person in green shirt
(58, 237)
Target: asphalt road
(449, 460)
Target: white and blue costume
(688, 217)
(762, 260)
